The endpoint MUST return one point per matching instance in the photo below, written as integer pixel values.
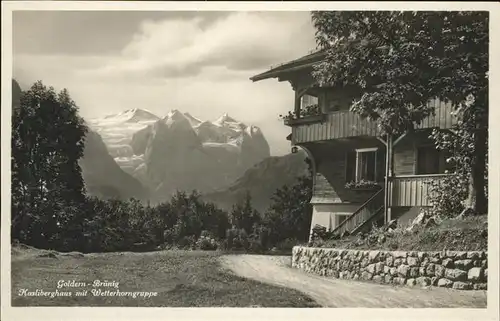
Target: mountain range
(180, 151)
(136, 153)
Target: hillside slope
(261, 181)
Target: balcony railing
(413, 190)
(344, 124)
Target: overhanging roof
(294, 65)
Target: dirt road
(329, 292)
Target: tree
(401, 60)
(47, 142)
(289, 215)
(244, 216)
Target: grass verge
(461, 234)
(181, 279)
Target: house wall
(405, 153)
(336, 99)
(330, 179)
(330, 197)
(331, 201)
(405, 214)
(404, 158)
(329, 215)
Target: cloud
(88, 32)
(240, 41)
(181, 63)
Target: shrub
(169, 236)
(287, 245)
(206, 243)
(321, 233)
(289, 215)
(187, 242)
(255, 246)
(447, 196)
(261, 237)
(244, 216)
(237, 239)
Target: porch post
(389, 180)
(388, 175)
(297, 103)
(299, 92)
(311, 157)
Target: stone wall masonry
(450, 269)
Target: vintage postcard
(249, 155)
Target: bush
(237, 239)
(321, 233)
(287, 245)
(187, 242)
(447, 197)
(261, 238)
(206, 243)
(289, 215)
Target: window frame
(358, 160)
(418, 149)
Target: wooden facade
(409, 188)
(412, 190)
(331, 172)
(345, 124)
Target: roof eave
(278, 73)
(280, 70)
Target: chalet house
(360, 177)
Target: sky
(193, 61)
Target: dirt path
(328, 292)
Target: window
(308, 100)
(340, 218)
(366, 165)
(361, 165)
(428, 159)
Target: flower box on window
(309, 114)
(363, 185)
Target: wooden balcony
(412, 190)
(345, 124)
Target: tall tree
(243, 215)
(401, 60)
(289, 215)
(47, 141)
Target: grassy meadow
(180, 278)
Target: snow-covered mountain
(180, 151)
(117, 130)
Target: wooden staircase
(364, 216)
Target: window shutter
(380, 165)
(350, 166)
(428, 160)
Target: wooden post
(357, 166)
(389, 181)
(390, 146)
(299, 92)
(297, 103)
(388, 175)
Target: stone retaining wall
(451, 269)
